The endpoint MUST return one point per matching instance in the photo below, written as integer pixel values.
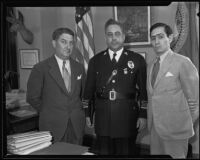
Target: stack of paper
(16, 98)
(23, 113)
(22, 99)
(26, 143)
(11, 100)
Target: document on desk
(14, 99)
(35, 133)
(23, 113)
(25, 143)
(20, 145)
(31, 149)
(30, 136)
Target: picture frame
(136, 21)
(28, 58)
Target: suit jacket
(116, 118)
(174, 99)
(47, 93)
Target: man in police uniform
(112, 77)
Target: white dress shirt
(119, 52)
(60, 64)
(162, 57)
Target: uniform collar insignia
(104, 53)
(125, 53)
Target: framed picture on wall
(136, 21)
(29, 57)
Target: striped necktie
(66, 77)
(155, 70)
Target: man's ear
(171, 37)
(54, 43)
(124, 36)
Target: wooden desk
(22, 124)
(25, 124)
(62, 148)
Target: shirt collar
(119, 52)
(59, 60)
(162, 57)
(60, 64)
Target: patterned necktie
(66, 77)
(155, 70)
(114, 59)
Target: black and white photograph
(100, 81)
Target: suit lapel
(56, 75)
(164, 67)
(150, 76)
(73, 75)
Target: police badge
(130, 64)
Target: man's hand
(88, 122)
(141, 124)
(85, 103)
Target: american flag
(84, 35)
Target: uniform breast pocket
(128, 74)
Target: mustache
(67, 50)
(115, 42)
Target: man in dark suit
(57, 100)
(112, 78)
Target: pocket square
(169, 74)
(79, 77)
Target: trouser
(115, 146)
(174, 148)
(70, 136)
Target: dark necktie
(114, 59)
(155, 70)
(66, 77)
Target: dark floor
(89, 140)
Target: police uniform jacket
(116, 118)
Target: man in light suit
(173, 98)
(59, 105)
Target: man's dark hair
(114, 22)
(59, 31)
(166, 27)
